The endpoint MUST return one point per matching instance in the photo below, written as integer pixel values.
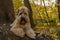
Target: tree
(6, 10)
(27, 4)
(59, 10)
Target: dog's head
(23, 15)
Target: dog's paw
(18, 32)
(30, 33)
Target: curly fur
(19, 29)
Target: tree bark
(9, 9)
(2, 15)
(6, 11)
(27, 4)
(59, 9)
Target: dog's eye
(25, 13)
(20, 13)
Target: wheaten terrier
(21, 25)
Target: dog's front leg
(18, 31)
(30, 32)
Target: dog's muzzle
(23, 21)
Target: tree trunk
(27, 4)
(6, 11)
(59, 10)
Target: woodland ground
(5, 33)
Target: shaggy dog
(21, 25)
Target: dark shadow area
(6, 11)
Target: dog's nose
(22, 15)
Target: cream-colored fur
(21, 30)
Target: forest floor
(5, 34)
(53, 31)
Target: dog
(21, 25)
